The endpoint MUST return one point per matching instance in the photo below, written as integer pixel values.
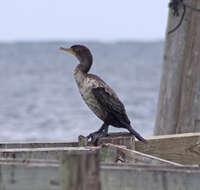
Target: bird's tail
(136, 134)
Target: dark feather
(113, 106)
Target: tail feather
(136, 134)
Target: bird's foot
(96, 136)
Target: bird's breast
(85, 86)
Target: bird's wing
(111, 104)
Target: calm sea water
(39, 99)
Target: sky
(98, 20)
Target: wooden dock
(119, 162)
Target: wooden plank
(23, 168)
(179, 148)
(37, 144)
(41, 153)
(125, 139)
(142, 177)
(118, 154)
(113, 177)
(18, 177)
(109, 153)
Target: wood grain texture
(179, 148)
(179, 100)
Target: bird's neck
(79, 76)
(85, 65)
(81, 70)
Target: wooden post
(80, 171)
(179, 100)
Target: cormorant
(99, 97)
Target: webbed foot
(95, 136)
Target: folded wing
(116, 113)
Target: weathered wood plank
(113, 177)
(118, 154)
(179, 148)
(142, 177)
(109, 153)
(26, 167)
(37, 144)
(16, 177)
(41, 153)
(125, 139)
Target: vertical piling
(179, 99)
(80, 171)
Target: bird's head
(81, 52)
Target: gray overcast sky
(83, 19)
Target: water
(39, 99)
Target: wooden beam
(53, 154)
(125, 139)
(32, 177)
(118, 154)
(143, 177)
(179, 148)
(113, 177)
(37, 144)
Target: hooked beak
(69, 50)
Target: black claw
(89, 136)
(93, 137)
